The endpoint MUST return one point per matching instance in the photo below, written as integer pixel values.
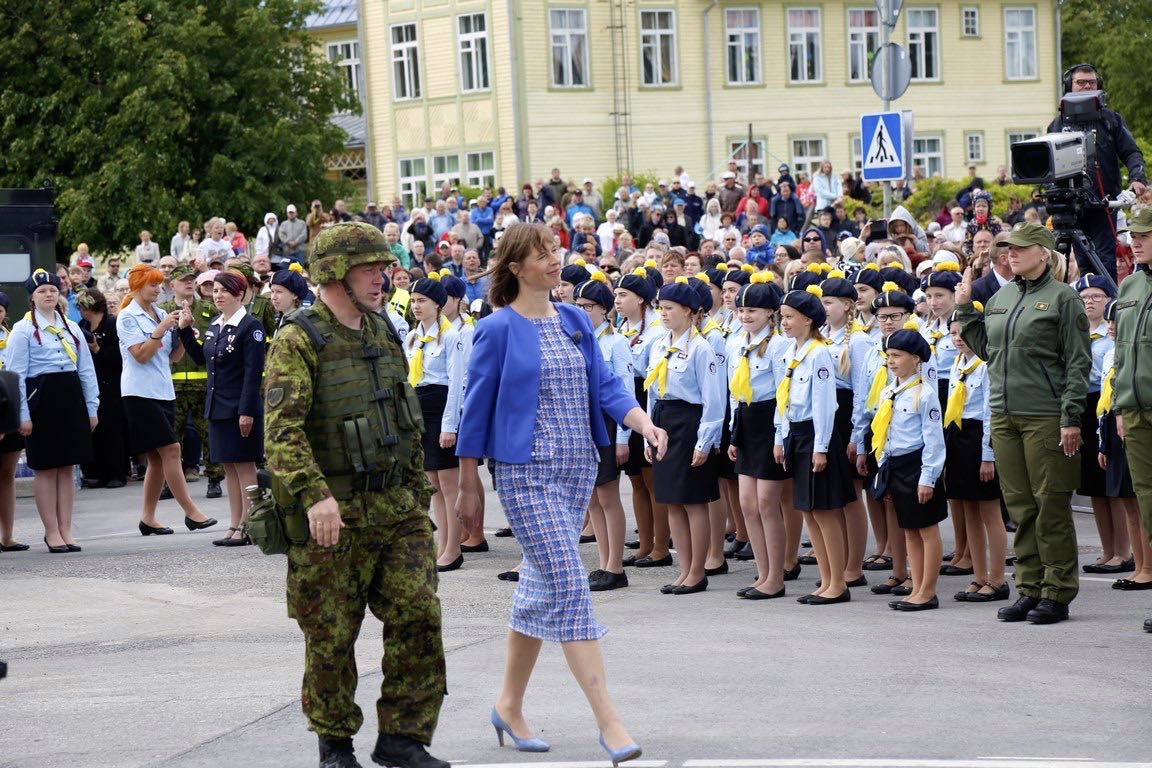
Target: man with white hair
(606, 231)
(956, 231)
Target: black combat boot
(337, 753)
(403, 752)
(214, 491)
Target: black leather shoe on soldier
(214, 491)
(337, 753)
(403, 752)
(1018, 611)
(1048, 612)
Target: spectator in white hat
(593, 199)
(293, 234)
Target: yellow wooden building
(500, 91)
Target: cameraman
(1114, 143)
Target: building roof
(336, 13)
(353, 125)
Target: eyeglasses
(811, 239)
(891, 318)
(1094, 297)
(1084, 83)
(587, 307)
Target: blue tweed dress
(545, 500)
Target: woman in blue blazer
(538, 389)
(232, 349)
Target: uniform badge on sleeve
(823, 374)
(934, 414)
(275, 396)
(257, 335)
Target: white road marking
(980, 762)
(575, 764)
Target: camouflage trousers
(391, 569)
(190, 402)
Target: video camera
(1061, 157)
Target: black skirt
(1117, 477)
(899, 477)
(842, 423)
(962, 465)
(228, 446)
(636, 460)
(608, 470)
(151, 424)
(1092, 481)
(755, 438)
(942, 386)
(676, 480)
(13, 442)
(831, 489)
(433, 401)
(61, 433)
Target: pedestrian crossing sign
(883, 149)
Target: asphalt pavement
(167, 652)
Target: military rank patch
(1041, 306)
(1125, 305)
(275, 396)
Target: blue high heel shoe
(524, 745)
(627, 752)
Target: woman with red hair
(148, 344)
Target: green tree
(146, 112)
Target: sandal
(963, 596)
(224, 541)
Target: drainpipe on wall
(365, 110)
(517, 98)
(1059, 50)
(708, 85)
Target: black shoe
(60, 550)
(214, 491)
(588, 539)
(862, 581)
(1128, 585)
(669, 589)
(166, 493)
(806, 560)
(951, 570)
(147, 530)
(754, 594)
(337, 753)
(403, 752)
(1128, 565)
(806, 544)
(1148, 625)
(648, 562)
(948, 557)
(632, 545)
(509, 576)
(730, 537)
(998, 593)
(90, 482)
(901, 590)
(236, 541)
(745, 553)
(1048, 612)
(609, 581)
(686, 589)
(843, 597)
(503, 533)
(138, 471)
(1018, 611)
(1010, 526)
(117, 483)
(220, 542)
(962, 595)
(803, 599)
(452, 566)
(73, 547)
(733, 546)
(629, 561)
(14, 547)
(904, 605)
(718, 570)
(481, 547)
(1010, 560)
(196, 526)
(877, 563)
(792, 573)
(884, 588)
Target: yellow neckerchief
(954, 413)
(59, 334)
(416, 364)
(934, 335)
(883, 418)
(3, 344)
(879, 381)
(1098, 334)
(865, 328)
(629, 333)
(659, 374)
(858, 327)
(741, 384)
(605, 329)
(784, 391)
(1104, 405)
(710, 326)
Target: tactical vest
(365, 416)
(186, 372)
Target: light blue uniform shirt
(28, 357)
(1101, 346)
(467, 331)
(943, 349)
(694, 377)
(398, 322)
(858, 344)
(730, 322)
(766, 370)
(152, 379)
(443, 365)
(614, 349)
(813, 394)
(916, 423)
(640, 345)
(861, 415)
(976, 401)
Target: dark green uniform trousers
(390, 567)
(1138, 445)
(190, 400)
(1037, 481)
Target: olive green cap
(1027, 233)
(245, 270)
(1141, 221)
(183, 272)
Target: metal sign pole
(885, 33)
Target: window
(738, 151)
(807, 154)
(658, 47)
(1020, 43)
(863, 42)
(857, 154)
(924, 43)
(928, 153)
(804, 62)
(970, 22)
(742, 27)
(974, 146)
(346, 56)
(569, 31)
(445, 168)
(481, 169)
(413, 181)
(473, 39)
(1015, 136)
(405, 62)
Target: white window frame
(738, 152)
(412, 173)
(863, 42)
(974, 146)
(406, 85)
(568, 31)
(475, 174)
(807, 161)
(442, 173)
(1019, 62)
(857, 151)
(652, 47)
(924, 45)
(970, 13)
(932, 161)
(472, 45)
(345, 55)
(807, 42)
(742, 47)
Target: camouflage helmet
(343, 246)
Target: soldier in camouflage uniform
(342, 436)
(191, 380)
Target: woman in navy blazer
(538, 389)
(232, 349)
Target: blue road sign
(882, 134)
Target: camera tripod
(1065, 206)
